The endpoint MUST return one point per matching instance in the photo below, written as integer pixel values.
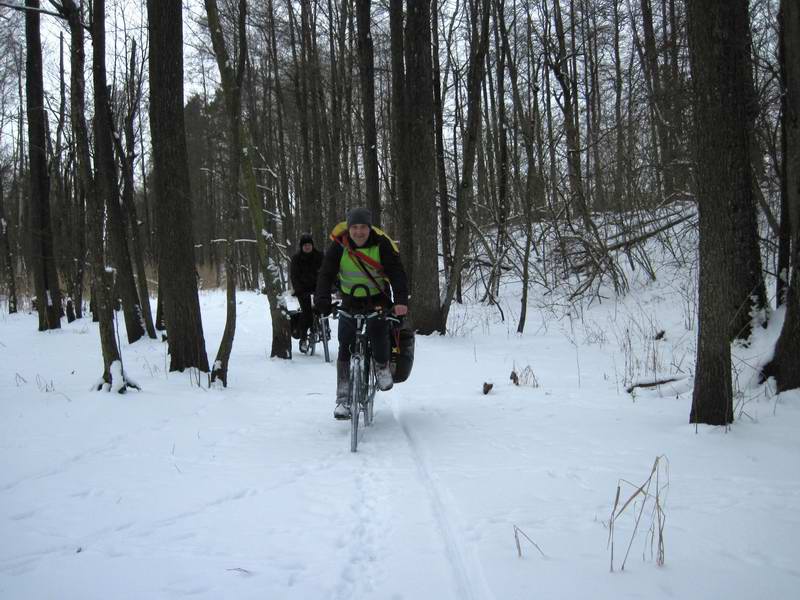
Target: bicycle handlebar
(337, 310)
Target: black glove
(322, 306)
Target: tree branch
(31, 9)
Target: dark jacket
(390, 261)
(303, 270)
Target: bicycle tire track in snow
(359, 576)
(466, 568)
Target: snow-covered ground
(252, 492)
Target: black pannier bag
(402, 359)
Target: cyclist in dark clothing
(303, 271)
(362, 256)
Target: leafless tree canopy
(544, 142)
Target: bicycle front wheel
(356, 398)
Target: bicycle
(362, 384)
(320, 333)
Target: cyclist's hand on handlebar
(400, 310)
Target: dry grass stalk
(517, 532)
(657, 517)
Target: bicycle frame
(362, 372)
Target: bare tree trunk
(784, 363)
(8, 257)
(59, 204)
(71, 226)
(240, 165)
(283, 175)
(750, 292)
(177, 278)
(659, 110)
(101, 280)
(533, 190)
(107, 180)
(400, 135)
(619, 125)
(43, 261)
(127, 156)
(306, 199)
(424, 282)
(441, 172)
(479, 46)
(367, 80)
(315, 114)
(500, 156)
(716, 48)
(231, 74)
(566, 79)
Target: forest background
(158, 148)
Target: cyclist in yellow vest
(362, 256)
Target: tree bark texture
(425, 301)
(401, 169)
(176, 271)
(441, 169)
(784, 365)
(45, 276)
(7, 256)
(722, 174)
(750, 292)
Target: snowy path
(252, 492)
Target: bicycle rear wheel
(312, 339)
(356, 398)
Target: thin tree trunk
(8, 257)
(240, 165)
(127, 156)
(441, 172)
(367, 80)
(750, 293)
(619, 125)
(400, 135)
(283, 175)
(533, 189)
(464, 196)
(101, 283)
(107, 186)
(657, 98)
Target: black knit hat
(306, 239)
(359, 216)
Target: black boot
(342, 410)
